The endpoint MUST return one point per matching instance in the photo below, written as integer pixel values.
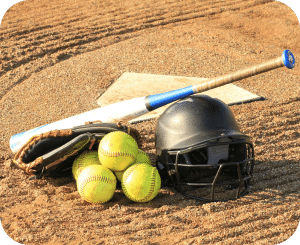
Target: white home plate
(134, 85)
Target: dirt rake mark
(83, 35)
(261, 166)
(278, 174)
(292, 186)
(35, 57)
(144, 21)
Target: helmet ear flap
(237, 153)
(164, 175)
(182, 172)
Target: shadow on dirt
(271, 185)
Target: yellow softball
(85, 159)
(96, 184)
(142, 157)
(141, 182)
(117, 150)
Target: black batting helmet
(199, 144)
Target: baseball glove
(52, 153)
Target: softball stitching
(118, 153)
(95, 178)
(152, 185)
(125, 179)
(115, 153)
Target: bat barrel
(124, 110)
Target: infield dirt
(57, 57)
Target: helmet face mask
(214, 169)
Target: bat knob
(288, 59)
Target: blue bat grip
(288, 59)
(155, 101)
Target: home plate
(133, 85)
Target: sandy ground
(57, 57)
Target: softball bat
(133, 108)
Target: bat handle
(288, 59)
(155, 101)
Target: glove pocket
(62, 158)
(53, 155)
